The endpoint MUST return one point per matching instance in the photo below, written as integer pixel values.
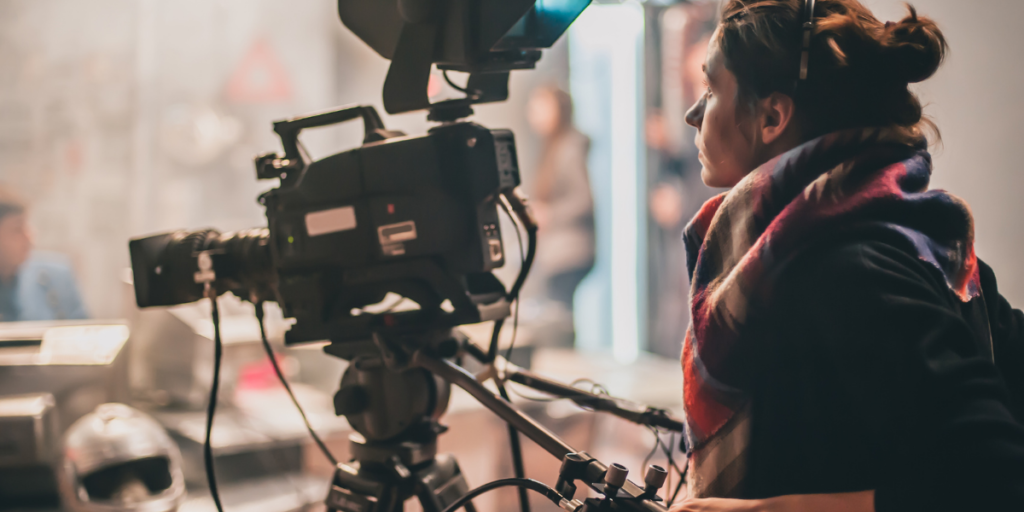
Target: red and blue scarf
(734, 244)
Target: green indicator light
(291, 239)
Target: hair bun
(915, 47)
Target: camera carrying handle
(271, 166)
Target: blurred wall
(67, 117)
(125, 117)
(977, 99)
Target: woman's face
(724, 138)
(542, 113)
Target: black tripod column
(394, 411)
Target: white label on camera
(331, 221)
(399, 232)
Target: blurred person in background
(34, 285)
(564, 206)
(848, 351)
(677, 191)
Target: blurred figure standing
(564, 206)
(34, 285)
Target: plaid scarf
(737, 240)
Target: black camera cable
(211, 406)
(519, 469)
(280, 375)
(654, 449)
(523, 484)
(454, 85)
(521, 219)
(514, 294)
(517, 455)
(218, 353)
(667, 449)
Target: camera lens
(164, 265)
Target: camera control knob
(616, 475)
(655, 478)
(352, 399)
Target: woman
(563, 204)
(847, 351)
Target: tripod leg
(441, 484)
(430, 503)
(397, 506)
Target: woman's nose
(695, 116)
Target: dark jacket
(869, 373)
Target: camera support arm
(405, 87)
(625, 409)
(629, 411)
(626, 494)
(505, 410)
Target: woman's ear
(777, 119)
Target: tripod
(393, 400)
(394, 409)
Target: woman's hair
(859, 68)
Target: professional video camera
(415, 216)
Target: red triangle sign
(259, 77)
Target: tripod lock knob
(351, 399)
(654, 479)
(616, 476)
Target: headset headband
(808, 27)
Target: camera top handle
(273, 165)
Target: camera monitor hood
(486, 38)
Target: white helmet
(117, 459)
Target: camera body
(416, 216)
(403, 197)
